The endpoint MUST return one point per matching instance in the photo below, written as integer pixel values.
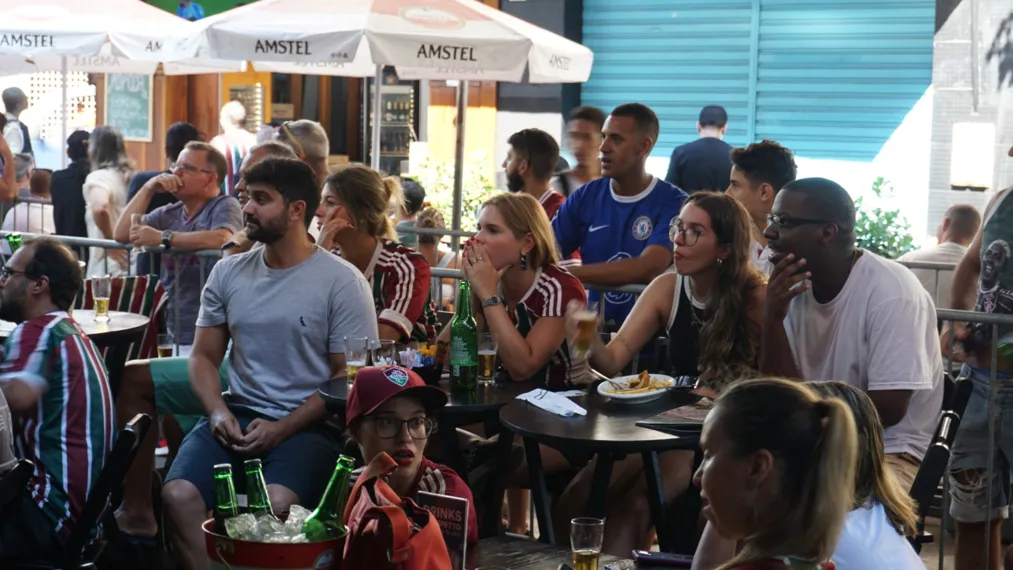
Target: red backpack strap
(400, 528)
(381, 465)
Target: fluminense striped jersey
(71, 431)
(400, 280)
(551, 201)
(548, 296)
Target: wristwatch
(494, 300)
(167, 239)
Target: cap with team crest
(374, 385)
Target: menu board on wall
(128, 105)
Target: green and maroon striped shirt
(71, 431)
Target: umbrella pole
(462, 106)
(375, 154)
(63, 111)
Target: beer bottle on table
(257, 499)
(226, 505)
(463, 344)
(326, 521)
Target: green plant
(880, 230)
(438, 180)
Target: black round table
(115, 336)
(608, 430)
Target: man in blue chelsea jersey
(620, 221)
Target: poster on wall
(128, 101)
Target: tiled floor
(930, 552)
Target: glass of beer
(355, 356)
(585, 540)
(587, 330)
(101, 289)
(384, 352)
(165, 345)
(487, 349)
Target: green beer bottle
(257, 499)
(463, 344)
(14, 241)
(226, 505)
(326, 521)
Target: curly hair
(728, 347)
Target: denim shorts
(302, 463)
(969, 501)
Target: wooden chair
(80, 552)
(937, 458)
(15, 481)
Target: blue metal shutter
(673, 56)
(826, 78)
(836, 78)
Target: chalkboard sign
(128, 105)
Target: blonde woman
(778, 474)
(710, 308)
(437, 257)
(105, 196)
(354, 224)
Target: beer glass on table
(585, 541)
(355, 356)
(101, 290)
(165, 345)
(487, 349)
(384, 352)
(587, 330)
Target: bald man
(955, 233)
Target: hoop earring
(524, 261)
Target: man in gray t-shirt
(287, 308)
(200, 220)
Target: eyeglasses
(689, 235)
(189, 168)
(782, 221)
(418, 428)
(7, 272)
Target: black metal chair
(937, 458)
(77, 553)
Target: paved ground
(930, 552)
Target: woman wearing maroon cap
(389, 410)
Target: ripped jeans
(968, 498)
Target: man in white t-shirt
(836, 312)
(956, 231)
(758, 173)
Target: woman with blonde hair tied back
(354, 224)
(778, 474)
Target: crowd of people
(823, 359)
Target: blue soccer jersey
(607, 227)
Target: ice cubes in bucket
(267, 528)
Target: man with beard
(836, 312)
(529, 165)
(57, 385)
(620, 222)
(287, 307)
(162, 386)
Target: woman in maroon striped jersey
(354, 225)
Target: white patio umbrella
(422, 39)
(97, 36)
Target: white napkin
(553, 402)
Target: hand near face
(478, 270)
(781, 288)
(330, 227)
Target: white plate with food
(636, 389)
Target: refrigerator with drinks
(399, 122)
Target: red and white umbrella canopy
(423, 39)
(123, 36)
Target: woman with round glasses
(711, 307)
(389, 410)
